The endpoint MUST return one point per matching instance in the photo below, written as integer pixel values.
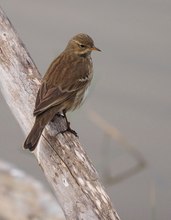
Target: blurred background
(125, 123)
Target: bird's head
(81, 44)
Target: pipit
(64, 85)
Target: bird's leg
(68, 125)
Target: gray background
(131, 90)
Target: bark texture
(61, 156)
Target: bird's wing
(49, 97)
(61, 84)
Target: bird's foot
(71, 131)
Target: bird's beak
(95, 48)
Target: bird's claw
(71, 131)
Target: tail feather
(35, 133)
(33, 137)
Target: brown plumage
(63, 86)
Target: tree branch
(61, 157)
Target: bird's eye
(82, 45)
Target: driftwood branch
(61, 156)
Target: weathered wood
(61, 156)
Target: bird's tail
(34, 135)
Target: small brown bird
(63, 86)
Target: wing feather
(64, 85)
(55, 96)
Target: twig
(113, 133)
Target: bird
(63, 86)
